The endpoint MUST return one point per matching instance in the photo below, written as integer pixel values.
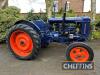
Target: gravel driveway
(49, 62)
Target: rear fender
(34, 26)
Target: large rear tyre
(23, 42)
(79, 52)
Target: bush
(8, 17)
(34, 16)
(97, 22)
(96, 35)
(69, 13)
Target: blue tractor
(26, 38)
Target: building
(75, 5)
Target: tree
(93, 11)
(93, 8)
(3, 3)
(49, 7)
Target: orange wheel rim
(79, 54)
(21, 43)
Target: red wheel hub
(21, 43)
(79, 54)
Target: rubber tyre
(34, 36)
(79, 44)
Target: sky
(36, 5)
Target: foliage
(34, 16)
(69, 13)
(96, 28)
(8, 16)
(97, 22)
(49, 7)
(96, 35)
(60, 11)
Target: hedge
(8, 17)
(34, 16)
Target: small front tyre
(79, 52)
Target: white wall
(87, 6)
(97, 6)
(27, 5)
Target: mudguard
(30, 23)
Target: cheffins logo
(78, 65)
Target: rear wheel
(79, 52)
(23, 41)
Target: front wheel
(79, 52)
(23, 42)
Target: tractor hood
(70, 19)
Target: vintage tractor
(26, 38)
